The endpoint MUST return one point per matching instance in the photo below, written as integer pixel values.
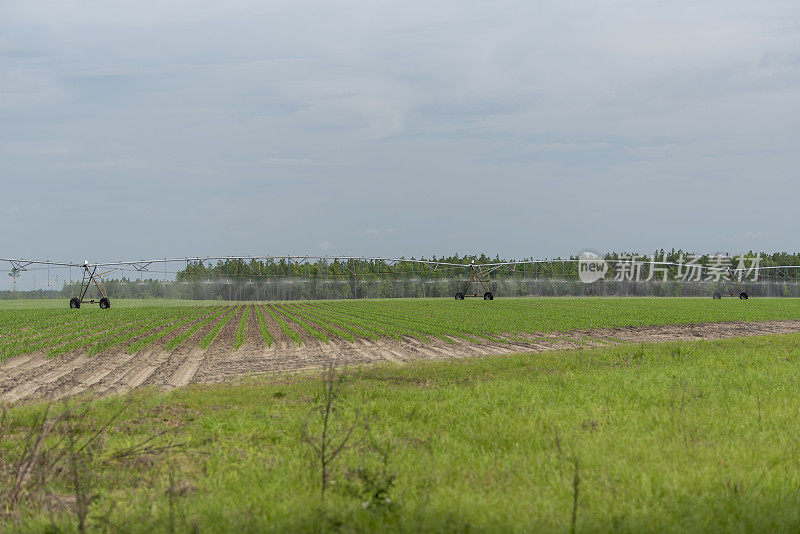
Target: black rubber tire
(74, 303)
(488, 296)
(717, 296)
(105, 303)
(459, 296)
(743, 296)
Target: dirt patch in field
(252, 332)
(178, 368)
(34, 376)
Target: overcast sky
(527, 129)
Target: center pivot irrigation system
(476, 277)
(480, 280)
(90, 275)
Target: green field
(135, 325)
(691, 436)
(26, 304)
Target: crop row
(133, 329)
(82, 332)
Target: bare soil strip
(219, 355)
(34, 376)
(252, 332)
(184, 359)
(101, 366)
(116, 370)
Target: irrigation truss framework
(303, 276)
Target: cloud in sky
(178, 128)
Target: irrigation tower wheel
(743, 295)
(74, 303)
(717, 296)
(488, 296)
(105, 303)
(459, 296)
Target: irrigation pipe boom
(478, 284)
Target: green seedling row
(77, 338)
(90, 340)
(339, 321)
(177, 340)
(385, 329)
(442, 328)
(55, 331)
(283, 309)
(406, 325)
(12, 327)
(128, 335)
(66, 334)
(211, 336)
(308, 315)
(85, 323)
(135, 347)
(262, 326)
(240, 332)
(153, 320)
(283, 324)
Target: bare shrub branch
(331, 440)
(62, 446)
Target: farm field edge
(663, 436)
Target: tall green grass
(672, 437)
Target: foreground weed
(374, 484)
(325, 429)
(61, 450)
(576, 485)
